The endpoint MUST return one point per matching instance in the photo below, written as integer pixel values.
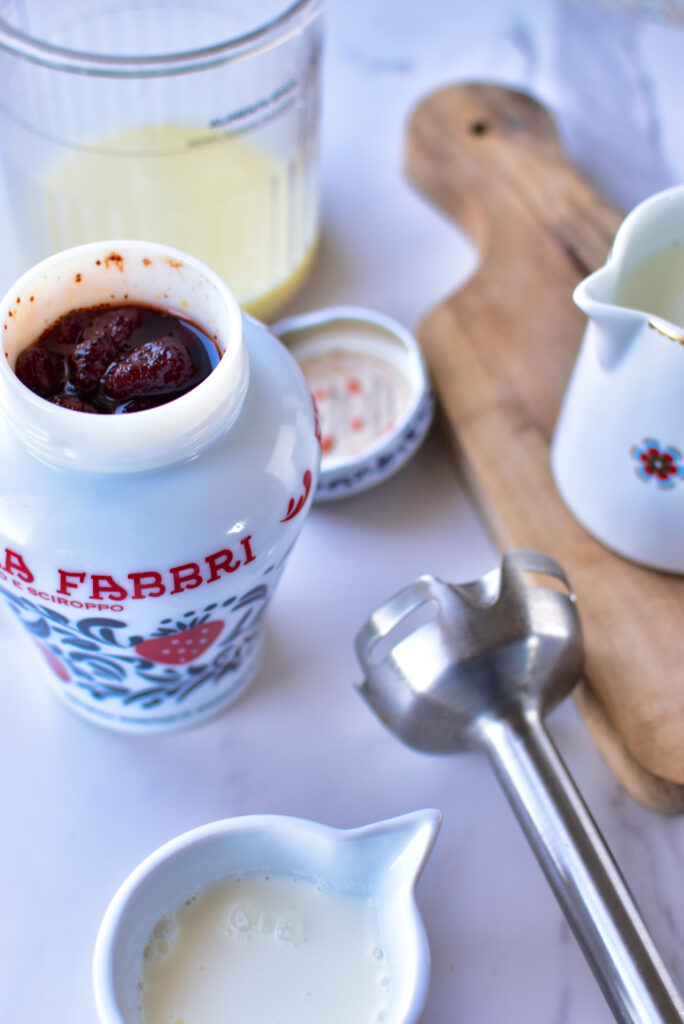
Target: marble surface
(80, 807)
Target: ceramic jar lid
(371, 389)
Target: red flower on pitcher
(295, 506)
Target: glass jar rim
(288, 23)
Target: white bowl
(381, 862)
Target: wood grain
(500, 351)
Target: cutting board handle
(491, 157)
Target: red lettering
(107, 585)
(246, 547)
(185, 577)
(220, 562)
(16, 566)
(150, 581)
(65, 583)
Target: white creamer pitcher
(379, 863)
(140, 550)
(618, 448)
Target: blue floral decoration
(664, 466)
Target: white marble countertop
(80, 807)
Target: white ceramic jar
(140, 550)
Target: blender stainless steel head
(495, 647)
(477, 665)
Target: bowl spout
(402, 845)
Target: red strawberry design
(57, 666)
(182, 647)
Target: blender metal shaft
(581, 871)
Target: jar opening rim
(146, 273)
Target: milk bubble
(161, 939)
(289, 928)
(244, 917)
(165, 928)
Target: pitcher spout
(615, 326)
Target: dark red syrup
(116, 359)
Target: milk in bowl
(266, 948)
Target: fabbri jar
(141, 542)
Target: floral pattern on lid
(371, 390)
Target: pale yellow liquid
(656, 285)
(266, 950)
(221, 199)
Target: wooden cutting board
(500, 351)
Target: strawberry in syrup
(116, 360)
